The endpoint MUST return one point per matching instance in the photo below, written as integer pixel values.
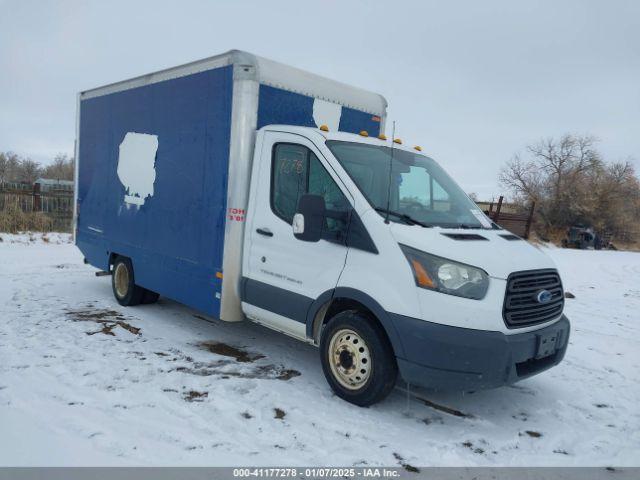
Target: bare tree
(60, 169)
(9, 166)
(522, 178)
(29, 171)
(571, 183)
(14, 168)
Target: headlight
(446, 276)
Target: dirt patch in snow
(473, 448)
(225, 350)
(279, 413)
(404, 464)
(226, 369)
(105, 330)
(287, 374)
(109, 319)
(195, 396)
(444, 408)
(97, 315)
(268, 372)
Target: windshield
(420, 191)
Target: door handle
(265, 231)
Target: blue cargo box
(164, 166)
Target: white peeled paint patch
(327, 113)
(136, 166)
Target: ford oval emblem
(544, 296)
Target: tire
(125, 290)
(357, 358)
(149, 297)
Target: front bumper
(452, 358)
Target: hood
(496, 255)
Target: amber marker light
(418, 148)
(398, 141)
(422, 277)
(324, 128)
(364, 133)
(382, 136)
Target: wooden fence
(510, 218)
(55, 202)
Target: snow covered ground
(84, 381)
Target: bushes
(14, 220)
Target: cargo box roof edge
(267, 72)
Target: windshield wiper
(407, 218)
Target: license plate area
(547, 344)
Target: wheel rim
(121, 280)
(349, 359)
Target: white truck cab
(370, 250)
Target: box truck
(248, 189)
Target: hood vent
(465, 236)
(510, 236)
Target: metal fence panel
(56, 203)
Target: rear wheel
(357, 359)
(125, 290)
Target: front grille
(521, 307)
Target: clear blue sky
(472, 82)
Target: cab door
(283, 275)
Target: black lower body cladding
(452, 358)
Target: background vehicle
(246, 188)
(581, 237)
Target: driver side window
(295, 171)
(289, 171)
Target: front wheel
(357, 359)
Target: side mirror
(308, 222)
